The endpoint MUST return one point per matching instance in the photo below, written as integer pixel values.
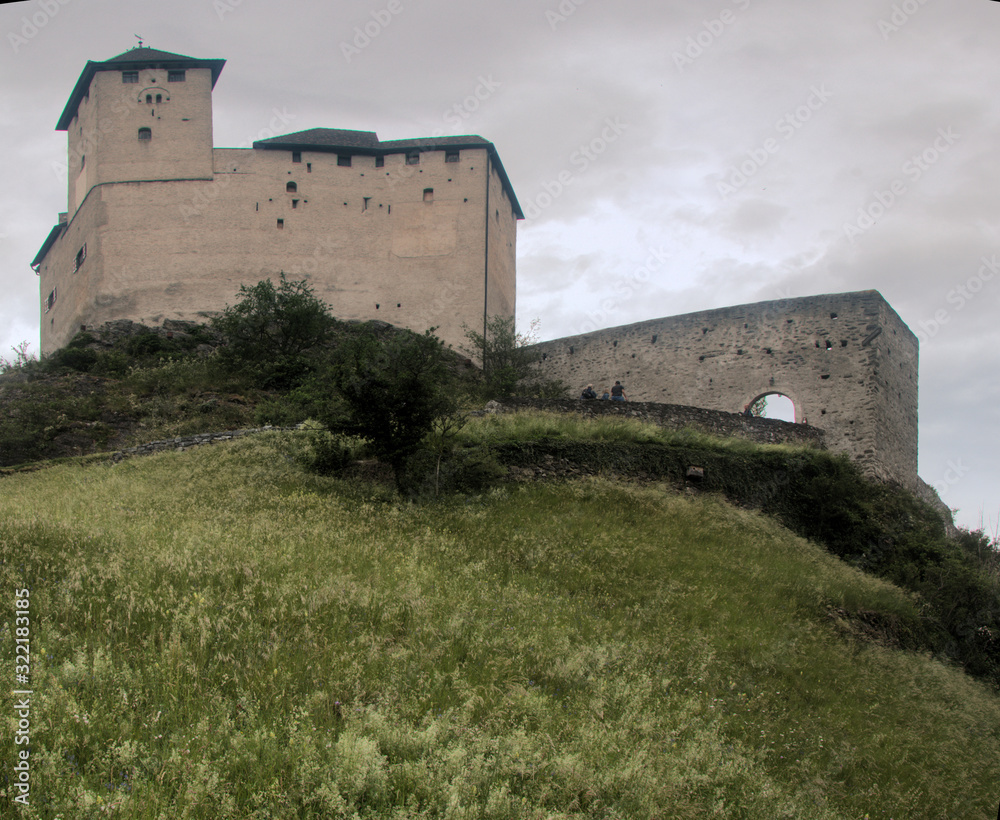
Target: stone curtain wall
(847, 362)
(678, 417)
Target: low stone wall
(194, 440)
(677, 417)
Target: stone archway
(780, 406)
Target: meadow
(219, 633)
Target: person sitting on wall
(589, 393)
(606, 395)
(618, 392)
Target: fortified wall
(847, 362)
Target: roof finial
(139, 38)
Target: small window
(145, 134)
(80, 256)
(281, 224)
(296, 156)
(159, 98)
(149, 99)
(413, 158)
(309, 167)
(295, 203)
(175, 76)
(428, 194)
(83, 161)
(130, 76)
(344, 160)
(379, 162)
(451, 156)
(291, 188)
(50, 300)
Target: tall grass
(218, 634)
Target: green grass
(216, 633)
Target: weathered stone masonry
(847, 362)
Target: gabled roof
(339, 140)
(135, 58)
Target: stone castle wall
(847, 362)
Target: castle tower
(143, 115)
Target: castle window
(309, 167)
(175, 76)
(159, 98)
(145, 134)
(80, 256)
(295, 203)
(296, 156)
(281, 224)
(50, 300)
(412, 157)
(130, 76)
(379, 162)
(149, 99)
(451, 156)
(291, 187)
(428, 194)
(344, 160)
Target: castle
(160, 224)
(419, 233)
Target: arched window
(145, 134)
(159, 98)
(291, 187)
(149, 98)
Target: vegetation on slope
(220, 633)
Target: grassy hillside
(218, 633)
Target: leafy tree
(272, 328)
(503, 353)
(394, 387)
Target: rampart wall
(847, 361)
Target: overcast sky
(738, 150)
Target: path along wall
(847, 362)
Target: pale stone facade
(162, 225)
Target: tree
(394, 387)
(759, 407)
(272, 328)
(503, 353)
